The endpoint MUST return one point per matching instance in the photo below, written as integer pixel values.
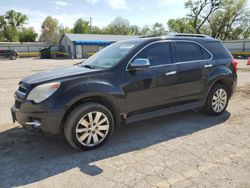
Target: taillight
(235, 64)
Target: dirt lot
(187, 149)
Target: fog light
(36, 124)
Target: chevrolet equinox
(127, 81)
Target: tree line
(223, 19)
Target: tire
(84, 135)
(12, 57)
(217, 100)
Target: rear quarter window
(190, 51)
(218, 50)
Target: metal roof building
(85, 45)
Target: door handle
(208, 65)
(170, 73)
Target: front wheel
(12, 57)
(217, 100)
(88, 126)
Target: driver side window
(157, 54)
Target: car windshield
(109, 56)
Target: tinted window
(218, 50)
(157, 54)
(188, 51)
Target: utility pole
(90, 24)
(42, 33)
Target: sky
(138, 12)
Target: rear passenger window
(189, 51)
(157, 54)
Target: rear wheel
(217, 100)
(88, 126)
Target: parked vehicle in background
(10, 54)
(127, 81)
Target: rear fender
(221, 75)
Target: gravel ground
(187, 149)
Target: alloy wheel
(219, 100)
(92, 128)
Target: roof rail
(189, 35)
(146, 36)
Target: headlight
(42, 92)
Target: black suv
(10, 54)
(127, 81)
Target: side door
(191, 57)
(154, 87)
(4, 53)
(7, 53)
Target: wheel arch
(224, 80)
(103, 100)
(221, 75)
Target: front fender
(78, 90)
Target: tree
(96, 30)
(81, 26)
(27, 35)
(10, 25)
(146, 30)
(158, 29)
(200, 11)
(1, 36)
(50, 33)
(64, 30)
(224, 19)
(134, 30)
(180, 25)
(232, 21)
(119, 26)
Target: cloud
(114, 4)
(36, 17)
(60, 4)
(171, 2)
(68, 19)
(93, 2)
(142, 8)
(118, 4)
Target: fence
(28, 49)
(236, 47)
(239, 47)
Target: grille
(20, 95)
(22, 89)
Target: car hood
(57, 74)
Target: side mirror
(139, 63)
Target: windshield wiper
(89, 66)
(78, 63)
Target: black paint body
(131, 95)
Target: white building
(85, 45)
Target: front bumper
(50, 120)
